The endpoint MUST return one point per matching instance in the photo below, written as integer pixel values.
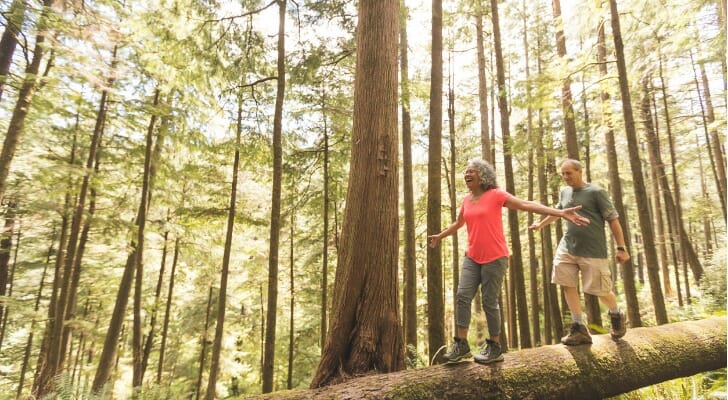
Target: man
(584, 249)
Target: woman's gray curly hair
(485, 172)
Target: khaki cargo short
(596, 278)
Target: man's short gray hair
(576, 164)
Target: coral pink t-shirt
(486, 241)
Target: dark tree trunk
(135, 257)
(167, 310)
(637, 175)
(567, 102)
(485, 147)
(222, 294)
(451, 186)
(14, 17)
(409, 309)
(516, 260)
(25, 96)
(435, 301)
(31, 330)
(275, 215)
(644, 357)
(365, 334)
(205, 340)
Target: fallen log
(644, 357)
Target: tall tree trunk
(57, 274)
(31, 330)
(275, 217)
(409, 308)
(482, 87)
(135, 257)
(655, 170)
(222, 294)
(291, 305)
(532, 259)
(567, 103)
(715, 153)
(325, 251)
(553, 325)
(137, 345)
(365, 333)
(451, 183)
(673, 161)
(637, 175)
(25, 96)
(204, 342)
(435, 302)
(6, 244)
(15, 18)
(516, 261)
(149, 342)
(56, 347)
(167, 312)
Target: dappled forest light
(221, 199)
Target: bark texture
(643, 357)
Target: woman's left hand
(576, 219)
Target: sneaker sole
(481, 361)
(466, 358)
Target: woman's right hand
(434, 240)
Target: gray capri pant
(490, 278)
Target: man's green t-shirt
(590, 240)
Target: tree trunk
(553, 325)
(676, 182)
(6, 244)
(655, 169)
(532, 259)
(167, 309)
(643, 357)
(147, 351)
(325, 251)
(482, 87)
(567, 103)
(57, 330)
(365, 333)
(291, 306)
(31, 330)
(715, 141)
(25, 96)
(222, 293)
(516, 260)
(137, 345)
(637, 176)
(451, 187)
(135, 257)
(14, 17)
(275, 214)
(435, 301)
(409, 268)
(205, 340)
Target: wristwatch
(621, 248)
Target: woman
(486, 259)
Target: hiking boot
(492, 352)
(619, 327)
(459, 351)
(578, 334)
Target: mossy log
(644, 357)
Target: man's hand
(622, 256)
